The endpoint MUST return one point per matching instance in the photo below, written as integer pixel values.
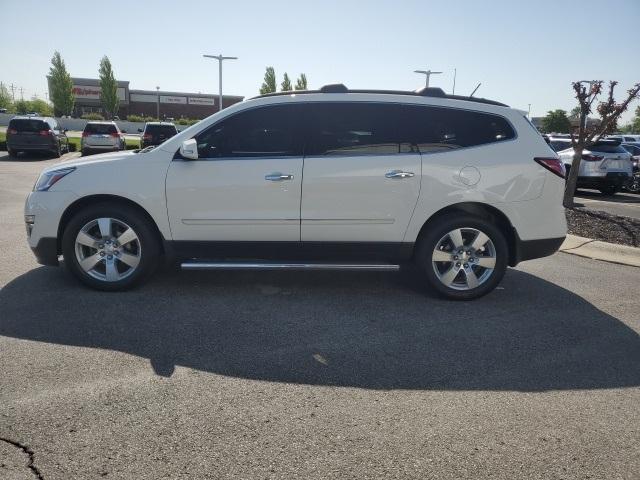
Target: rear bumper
(33, 147)
(530, 249)
(46, 251)
(102, 148)
(610, 179)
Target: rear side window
(558, 145)
(632, 149)
(27, 125)
(261, 132)
(99, 129)
(437, 129)
(354, 129)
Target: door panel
(231, 200)
(245, 185)
(350, 199)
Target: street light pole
(427, 74)
(220, 58)
(158, 104)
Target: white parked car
(605, 166)
(101, 137)
(328, 179)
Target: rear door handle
(399, 174)
(278, 177)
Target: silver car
(605, 166)
(101, 137)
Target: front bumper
(46, 251)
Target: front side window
(269, 131)
(437, 129)
(350, 128)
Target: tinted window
(260, 132)
(558, 145)
(354, 129)
(27, 125)
(607, 148)
(99, 129)
(440, 129)
(161, 130)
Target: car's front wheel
(608, 190)
(463, 257)
(110, 247)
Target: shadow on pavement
(352, 329)
(620, 197)
(27, 157)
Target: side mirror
(65, 130)
(189, 149)
(139, 130)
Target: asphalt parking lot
(313, 374)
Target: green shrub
(186, 121)
(72, 146)
(140, 118)
(92, 116)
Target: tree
(301, 83)
(556, 121)
(108, 88)
(61, 86)
(269, 84)
(286, 86)
(575, 113)
(5, 97)
(22, 107)
(587, 134)
(40, 107)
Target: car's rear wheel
(12, 152)
(57, 151)
(633, 185)
(110, 247)
(462, 258)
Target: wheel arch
(484, 211)
(83, 202)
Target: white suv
(332, 179)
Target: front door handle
(399, 174)
(278, 177)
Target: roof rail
(422, 92)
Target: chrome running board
(287, 266)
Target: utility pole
(428, 74)
(158, 104)
(21, 93)
(13, 92)
(220, 58)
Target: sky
(522, 52)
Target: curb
(597, 250)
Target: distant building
(145, 102)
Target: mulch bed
(603, 226)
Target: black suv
(155, 133)
(36, 134)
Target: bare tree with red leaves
(609, 111)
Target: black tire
(438, 229)
(608, 190)
(633, 185)
(84, 152)
(12, 153)
(150, 249)
(57, 151)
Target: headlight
(49, 179)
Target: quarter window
(261, 132)
(436, 129)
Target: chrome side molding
(287, 266)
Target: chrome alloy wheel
(464, 258)
(108, 249)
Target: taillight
(591, 158)
(115, 134)
(554, 165)
(85, 134)
(45, 133)
(12, 131)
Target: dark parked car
(42, 134)
(155, 133)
